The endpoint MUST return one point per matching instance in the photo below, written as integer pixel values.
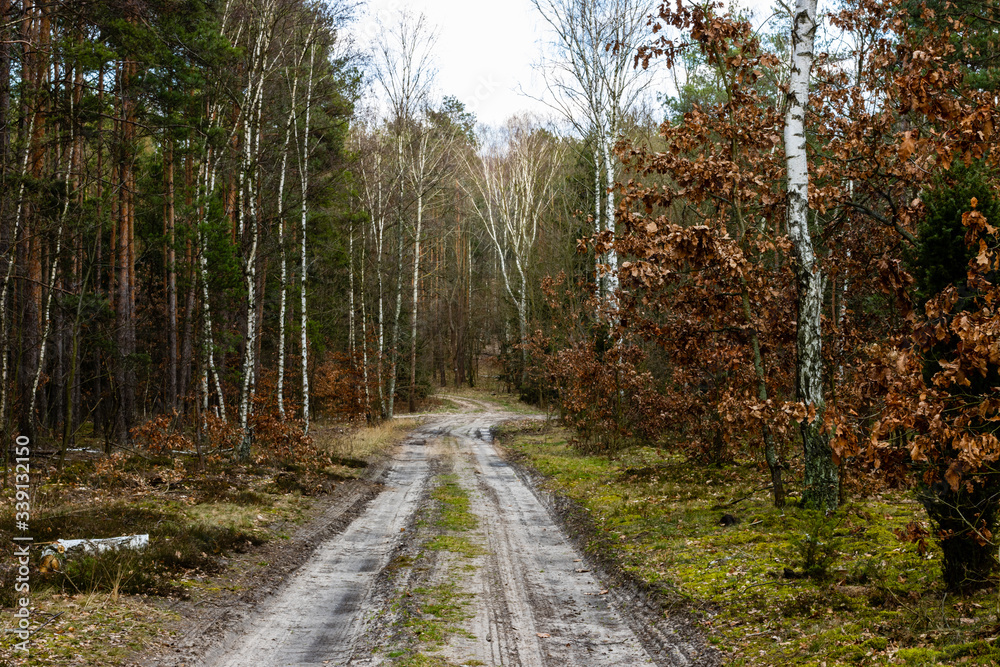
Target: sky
(485, 51)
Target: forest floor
(873, 598)
(221, 536)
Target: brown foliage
(605, 396)
(953, 418)
(338, 388)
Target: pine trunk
(171, 314)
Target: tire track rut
(526, 595)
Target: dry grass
(363, 443)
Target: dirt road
(456, 562)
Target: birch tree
(303, 263)
(512, 185)
(595, 85)
(821, 475)
(257, 67)
(376, 183)
(404, 72)
(426, 154)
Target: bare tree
(404, 72)
(512, 185)
(303, 264)
(595, 84)
(292, 75)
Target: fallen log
(55, 553)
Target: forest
(226, 223)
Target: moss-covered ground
(781, 586)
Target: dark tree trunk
(171, 314)
(125, 379)
(968, 517)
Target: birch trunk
(283, 252)
(283, 308)
(394, 350)
(248, 222)
(821, 475)
(364, 329)
(303, 269)
(416, 284)
(208, 339)
(380, 360)
(522, 321)
(602, 281)
(611, 258)
(351, 351)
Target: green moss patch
(780, 586)
(454, 505)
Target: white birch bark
(282, 308)
(404, 73)
(390, 398)
(208, 343)
(304, 181)
(611, 257)
(351, 350)
(821, 480)
(374, 182)
(415, 297)
(595, 84)
(364, 324)
(425, 160)
(513, 188)
(258, 68)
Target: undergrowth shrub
(943, 398)
(606, 396)
(817, 546)
(338, 389)
(275, 439)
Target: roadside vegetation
(861, 586)
(202, 514)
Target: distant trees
(512, 187)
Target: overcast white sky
(485, 50)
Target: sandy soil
(528, 597)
